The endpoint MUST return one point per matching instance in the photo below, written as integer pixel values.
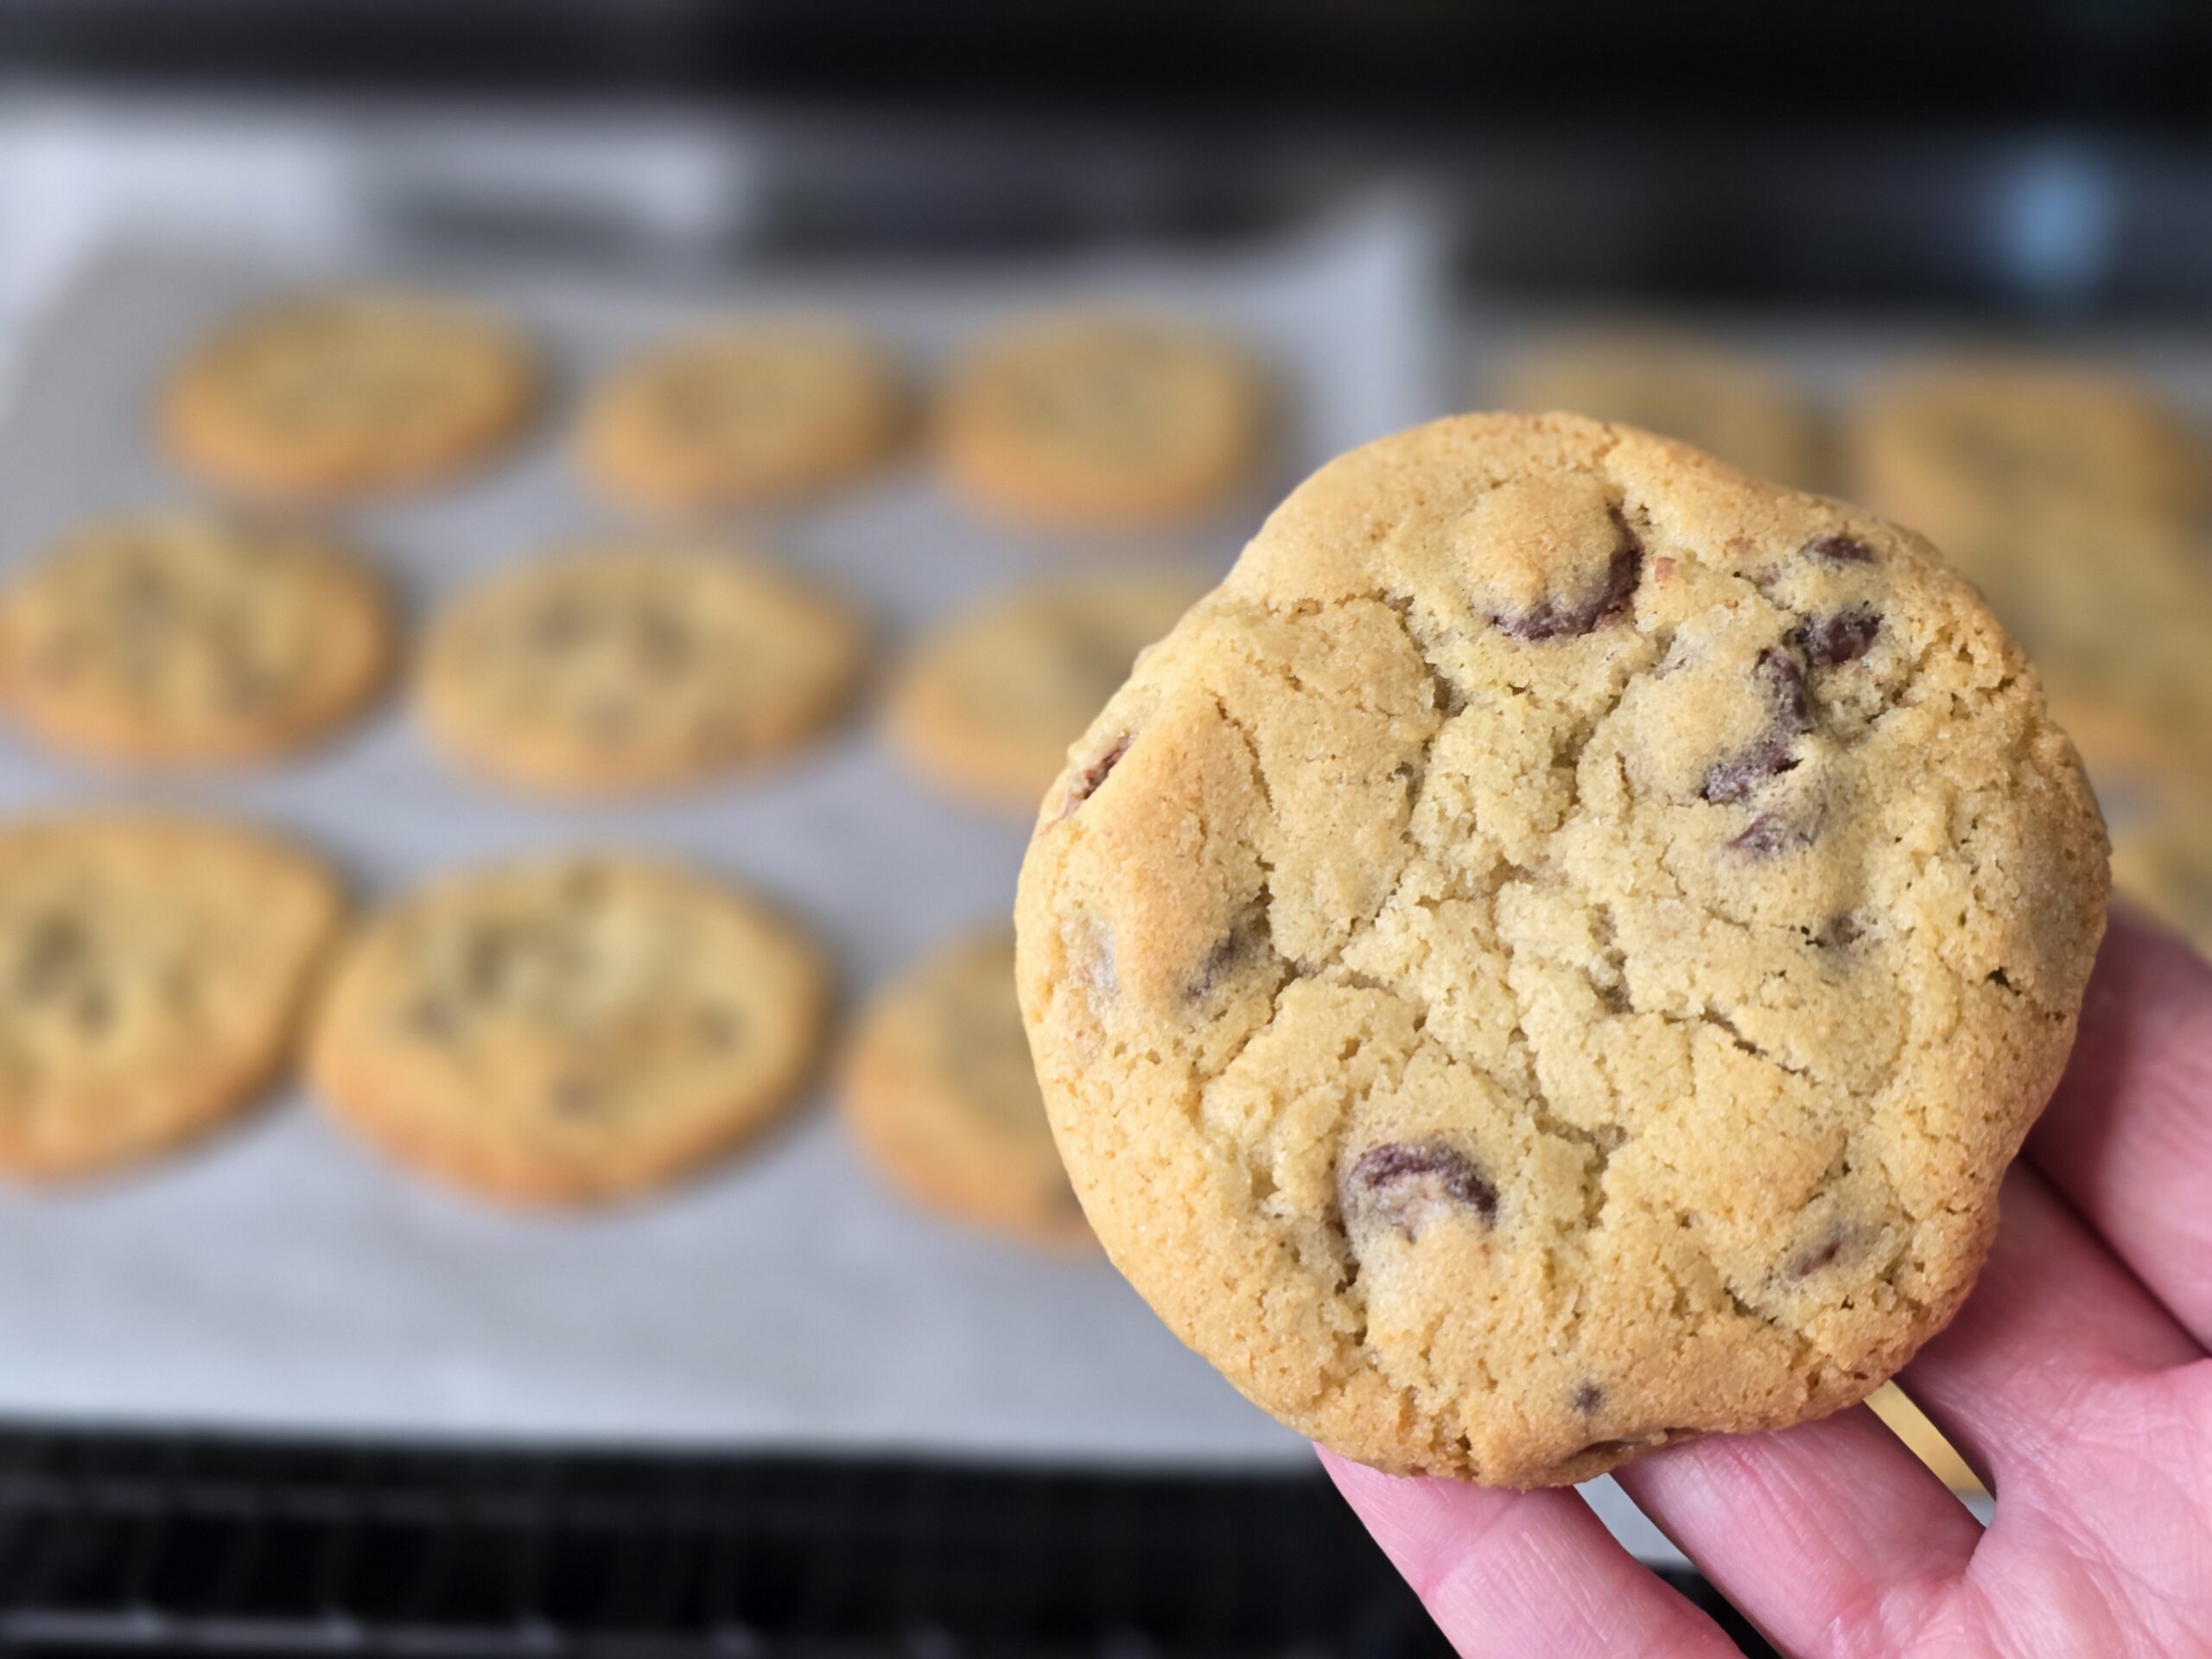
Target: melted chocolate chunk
(1549, 620)
(574, 1096)
(58, 951)
(1821, 1256)
(432, 1020)
(1840, 931)
(1223, 961)
(717, 1028)
(1588, 1398)
(1844, 638)
(1406, 1185)
(1790, 717)
(1085, 783)
(1839, 549)
(1772, 832)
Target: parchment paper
(282, 1278)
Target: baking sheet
(282, 1278)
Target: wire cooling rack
(172, 1543)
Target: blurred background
(835, 1393)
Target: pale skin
(2074, 1381)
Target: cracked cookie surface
(348, 392)
(568, 1029)
(151, 974)
(1553, 955)
(175, 639)
(940, 1093)
(621, 669)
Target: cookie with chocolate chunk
(940, 1094)
(348, 393)
(180, 640)
(152, 973)
(1553, 955)
(567, 1030)
(630, 667)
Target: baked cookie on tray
(990, 702)
(940, 1093)
(1554, 956)
(621, 668)
(1964, 448)
(568, 1030)
(349, 393)
(1101, 420)
(2116, 609)
(183, 640)
(152, 972)
(744, 413)
(1732, 408)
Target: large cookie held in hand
(1553, 955)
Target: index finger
(1531, 1574)
(2127, 1139)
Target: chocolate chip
(1547, 619)
(56, 950)
(664, 646)
(1790, 717)
(432, 1020)
(1839, 550)
(1811, 1261)
(94, 1011)
(717, 1028)
(608, 720)
(1085, 783)
(1407, 1185)
(1588, 1398)
(1772, 832)
(574, 1096)
(558, 626)
(1221, 963)
(1844, 638)
(1840, 931)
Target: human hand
(2074, 1381)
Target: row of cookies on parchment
(564, 1030)
(182, 639)
(2075, 496)
(1070, 419)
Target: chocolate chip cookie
(1077, 420)
(1965, 450)
(181, 640)
(623, 668)
(348, 393)
(940, 1093)
(151, 974)
(1728, 406)
(989, 703)
(567, 1030)
(1554, 954)
(743, 414)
